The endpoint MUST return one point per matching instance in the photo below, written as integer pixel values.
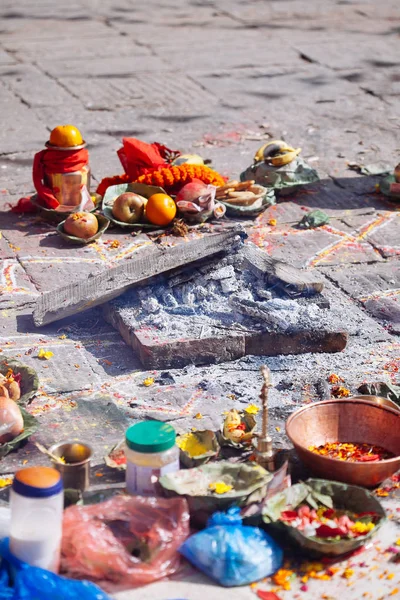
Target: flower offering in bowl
(325, 517)
(350, 440)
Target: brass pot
(75, 470)
(349, 420)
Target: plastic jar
(150, 453)
(37, 503)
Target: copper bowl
(355, 420)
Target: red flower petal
(324, 531)
(267, 595)
(289, 515)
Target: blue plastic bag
(232, 553)
(32, 583)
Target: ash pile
(245, 303)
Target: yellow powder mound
(190, 444)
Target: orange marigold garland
(108, 181)
(173, 178)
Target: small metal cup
(75, 471)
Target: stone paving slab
(49, 27)
(351, 54)
(15, 177)
(18, 124)
(142, 91)
(336, 114)
(34, 87)
(124, 66)
(16, 288)
(385, 237)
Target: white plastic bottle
(37, 502)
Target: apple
(11, 420)
(191, 191)
(81, 224)
(129, 207)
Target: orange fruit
(160, 209)
(65, 136)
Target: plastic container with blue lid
(37, 502)
(150, 453)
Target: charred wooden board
(278, 273)
(110, 283)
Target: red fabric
(24, 205)
(55, 161)
(138, 158)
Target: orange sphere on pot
(160, 209)
(65, 136)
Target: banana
(276, 153)
(189, 159)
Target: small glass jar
(150, 453)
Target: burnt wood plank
(281, 274)
(110, 283)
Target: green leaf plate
(248, 480)
(342, 496)
(114, 191)
(233, 210)
(384, 187)
(29, 379)
(103, 224)
(56, 216)
(31, 425)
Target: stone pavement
(217, 77)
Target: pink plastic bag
(124, 542)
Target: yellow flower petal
(5, 481)
(219, 487)
(148, 382)
(252, 409)
(46, 354)
(198, 416)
